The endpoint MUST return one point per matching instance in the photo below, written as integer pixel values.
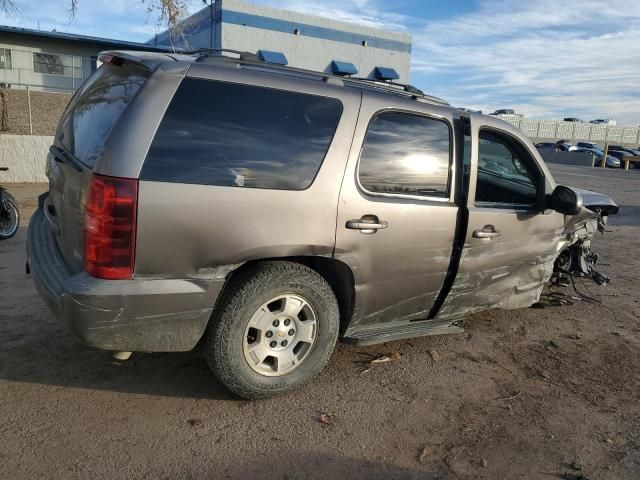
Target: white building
(307, 41)
(54, 61)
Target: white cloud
(577, 59)
(543, 58)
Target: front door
(396, 216)
(511, 243)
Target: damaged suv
(261, 213)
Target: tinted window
(94, 110)
(234, 135)
(406, 154)
(506, 172)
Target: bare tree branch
(169, 12)
(8, 8)
(72, 10)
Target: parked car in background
(547, 146)
(603, 121)
(469, 110)
(564, 147)
(632, 151)
(621, 154)
(612, 162)
(504, 111)
(589, 146)
(573, 120)
(183, 211)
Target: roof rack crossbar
(206, 52)
(252, 60)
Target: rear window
(228, 134)
(95, 108)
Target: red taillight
(110, 227)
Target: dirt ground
(521, 394)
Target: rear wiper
(62, 156)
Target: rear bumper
(142, 314)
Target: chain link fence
(24, 111)
(35, 87)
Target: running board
(420, 328)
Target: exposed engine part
(602, 220)
(582, 262)
(578, 261)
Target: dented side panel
(508, 271)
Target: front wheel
(9, 216)
(274, 331)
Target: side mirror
(565, 200)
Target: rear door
(79, 141)
(511, 243)
(396, 215)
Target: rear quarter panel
(186, 229)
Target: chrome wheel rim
(8, 219)
(280, 335)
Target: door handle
(488, 231)
(368, 224)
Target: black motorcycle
(9, 214)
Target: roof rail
(217, 52)
(400, 89)
(252, 60)
(402, 86)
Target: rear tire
(274, 330)
(9, 216)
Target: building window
(56, 64)
(5, 59)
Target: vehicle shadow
(55, 358)
(35, 349)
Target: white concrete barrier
(25, 155)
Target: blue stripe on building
(284, 26)
(202, 19)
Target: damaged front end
(577, 259)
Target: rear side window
(227, 134)
(95, 108)
(406, 154)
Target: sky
(543, 58)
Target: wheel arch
(337, 274)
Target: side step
(420, 328)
